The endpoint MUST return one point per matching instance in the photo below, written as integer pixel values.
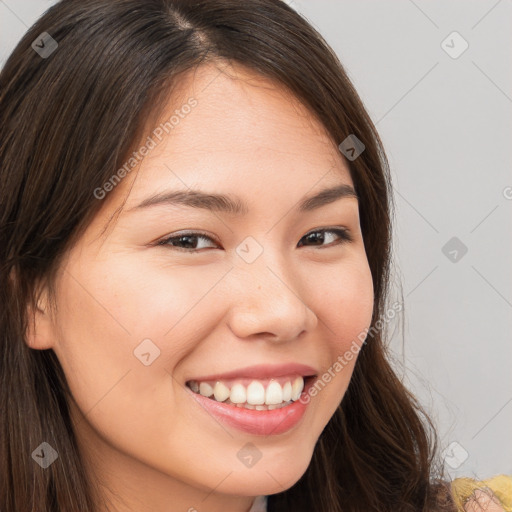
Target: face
(253, 299)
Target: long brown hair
(67, 122)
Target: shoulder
(491, 495)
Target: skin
(483, 501)
(151, 447)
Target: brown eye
(318, 237)
(186, 241)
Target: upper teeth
(255, 393)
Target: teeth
(238, 394)
(259, 407)
(254, 396)
(255, 393)
(287, 392)
(220, 391)
(297, 387)
(274, 393)
(205, 389)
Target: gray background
(446, 125)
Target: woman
(195, 234)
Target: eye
(188, 242)
(319, 236)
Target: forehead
(227, 128)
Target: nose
(267, 304)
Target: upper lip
(263, 371)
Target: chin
(270, 478)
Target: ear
(39, 334)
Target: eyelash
(343, 234)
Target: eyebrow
(233, 204)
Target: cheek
(119, 305)
(343, 300)
(344, 307)
(95, 342)
(104, 315)
(111, 315)
(155, 297)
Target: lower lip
(263, 423)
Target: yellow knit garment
(500, 485)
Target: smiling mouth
(257, 394)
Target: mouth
(254, 394)
(259, 400)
